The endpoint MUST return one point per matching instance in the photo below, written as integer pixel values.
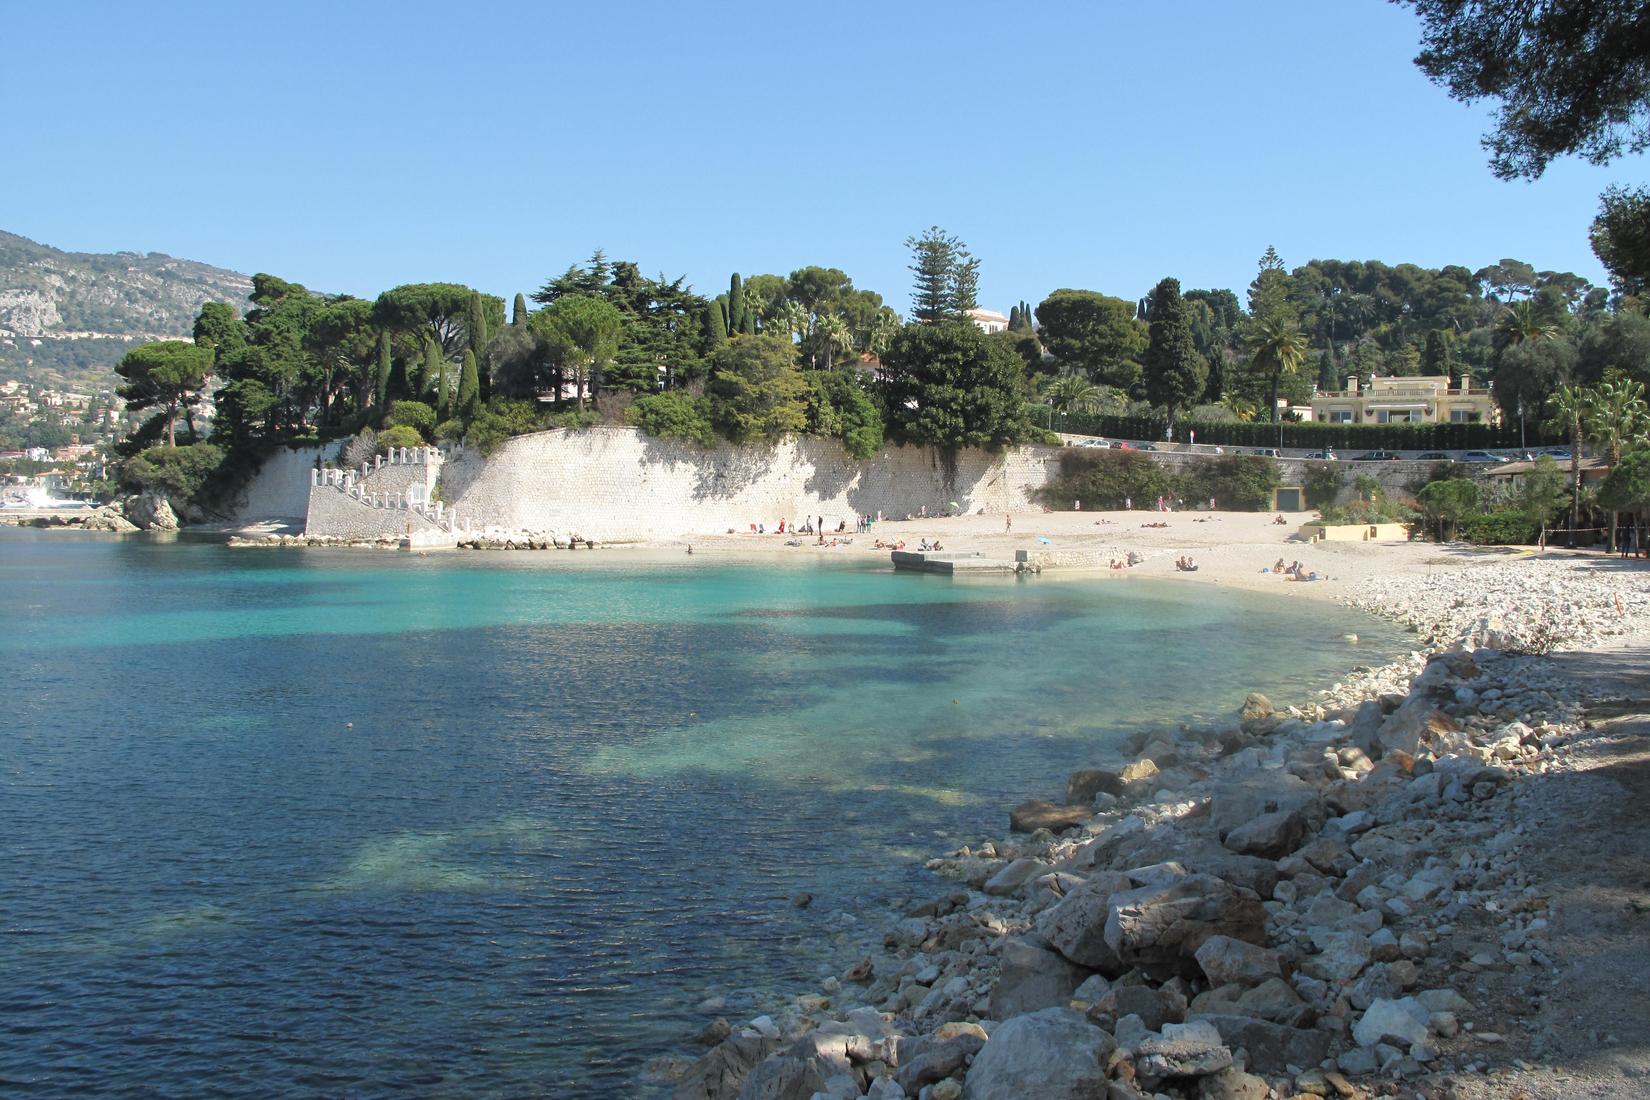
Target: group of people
(1186, 564)
(809, 526)
(924, 545)
(1295, 571)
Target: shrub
(1322, 484)
(449, 431)
(399, 436)
(502, 418)
(1105, 479)
(1449, 503)
(412, 414)
(1241, 482)
(359, 450)
(674, 415)
(1512, 526)
(576, 420)
(179, 472)
(839, 406)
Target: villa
(1426, 399)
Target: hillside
(66, 318)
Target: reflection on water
(491, 825)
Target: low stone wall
(1356, 532)
(338, 515)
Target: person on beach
(1008, 523)
(1128, 504)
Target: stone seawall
(618, 483)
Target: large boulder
(1032, 977)
(721, 1072)
(1076, 927)
(1160, 927)
(931, 1062)
(1181, 1050)
(1036, 814)
(151, 512)
(1232, 1083)
(784, 1078)
(1401, 1022)
(1241, 799)
(1015, 875)
(1082, 786)
(1225, 960)
(1054, 1054)
(1272, 1048)
(1269, 836)
(1418, 722)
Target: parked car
(1377, 456)
(1267, 452)
(1432, 456)
(1102, 444)
(1558, 452)
(1123, 445)
(1484, 456)
(1323, 456)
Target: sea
(330, 823)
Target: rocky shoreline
(1303, 902)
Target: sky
(1100, 145)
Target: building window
(1464, 416)
(1340, 416)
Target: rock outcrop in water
(1298, 904)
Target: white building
(989, 320)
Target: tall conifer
(382, 379)
(469, 388)
(1175, 372)
(518, 313)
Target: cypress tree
(736, 304)
(1436, 358)
(434, 373)
(1175, 372)
(475, 325)
(518, 313)
(721, 304)
(383, 376)
(716, 327)
(1014, 318)
(469, 389)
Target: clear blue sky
(354, 146)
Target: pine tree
(965, 283)
(934, 261)
(383, 376)
(1174, 371)
(469, 388)
(716, 326)
(518, 314)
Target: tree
(1572, 76)
(1436, 358)
(1528, 372)
(518, 311)
(1449, 502)
(168, 375)
(381, 379)
(1095, 334)
(755, 390)
(716, 325)
(1174, 371)
(1570, 406)
(947, 385)
(469, 388)
(947, 277)
(737, 306)
(1621, 238)
(1523, 322)
(1616, 420)
(439, 310)
(1279, 351)
(1626, 487)
(1073, 393)
(583, 333)
(1620, 343)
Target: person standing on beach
(1008, 523)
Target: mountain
(66, 318)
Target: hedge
(1315, 436)
(1105, 479)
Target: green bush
(1103, 479)
(1242, 483)
(576, 420)
(412, 414)
(839, 406)
(449, 431)
(674, 414)
(1322, 483)
(1449, 504)
(179, 472)
(1509, 527)
(1319, 435)
(501, 418)
(401, 435)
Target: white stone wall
(618, 482)
(340, 515)
(280, 488)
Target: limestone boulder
(1242, 798)
(151, 512)
(1225, 960)
(1182, 1050)
(1076, 927)
(1054, 1054)
(1159, 928)
(1033, 977)
(721, 1072)
(1036, 814)
(1269, 836)
(1271, 1048)
(1401, 1022)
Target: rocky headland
(1360, 895)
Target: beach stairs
(950, 564)
(389, 497)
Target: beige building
(989, 320)
(1426, 399)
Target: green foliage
(441, 311)
(1626, 487)
(716, 325)
(416, 415)
(500, 419)
(1322, 484)
(582, 332)
(182, 473)
(1508, 527)
(1174, 371)
(755, 390)
(946, 277)
(947, 385)
(840, 406)
(1105, 479)
(574, 420)
(169, 374)
(400, 435)
(674, 414)
(469, 388)
(448, 431)
(1318, 435)
(381, 379)
(1239, 482)
(1094, 333)
(1449, 503)
(518, 311)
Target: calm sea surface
(351, 824)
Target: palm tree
(1279, 351)
(834, 336)
(1522, 323)
(1073, 393)
(1570, 405)
(1242, 407)
(882, 332)
(1616, 418)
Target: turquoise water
(333, 823)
